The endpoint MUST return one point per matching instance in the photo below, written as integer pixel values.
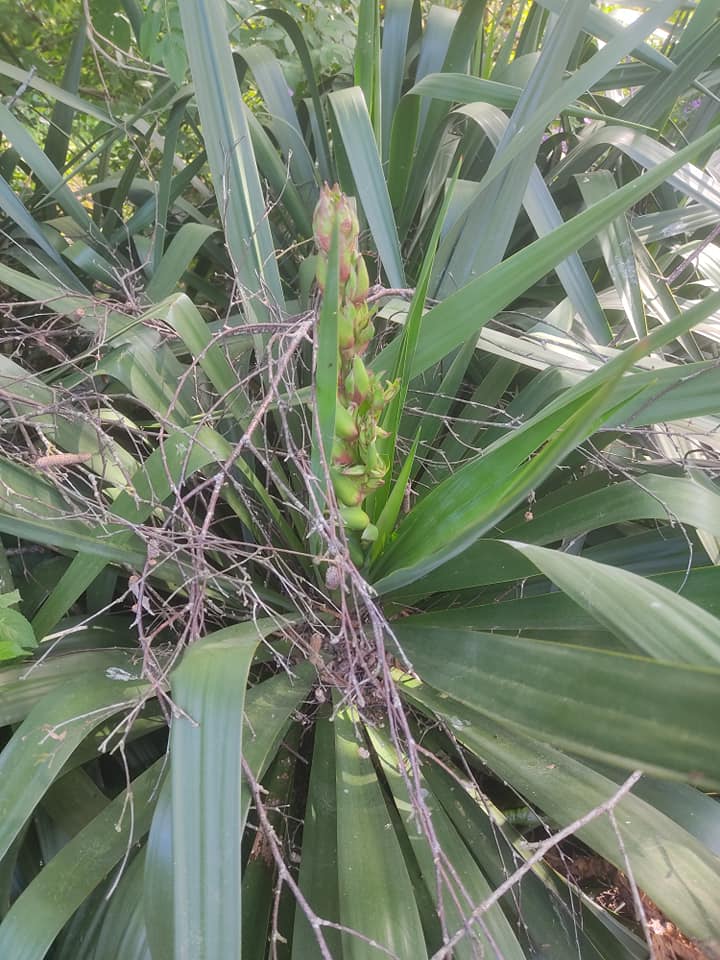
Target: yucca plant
(345, 616)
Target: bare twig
(542, 850)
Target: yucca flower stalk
(356, 465)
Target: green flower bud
(374, 462)
(377, 399)
(370, 533)
(333, 205)
(361, 281)
(345, 426)
(354, 518)
(348, 224)
(350, 491)
(346, 327)
(347, 255)
(323, 217)
(358, 384)
(356, 552)
(372, 483)
(321, 271)
(343, 453)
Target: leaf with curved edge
(73, 801)
(605, 27)
(46, 905)
(61, 119)
(47, 173)
(40, 404)
(260, 869)
(55, 726)
(272, 169)
(485, 400)
(556, 616)
(693, 810)
(467, 887)
(390, 512)
(464, 313)
(375, 893)
(468, 518)
(158, 878)
(480, 239)
(366, 61)
(655, 102)
(232, 162)
(54, 92)
(617, 248)
(271, 83)
(186, 319)
(471, 501)
(295, 34)
(32, 509)
(177, 259)
(669, 865)
(359, 145)
(14, 208)
(675, 499)
(318, 865)
(447, 45)
(577, 84)
(540, 906)
(545, 217)
(122, 933)
(206, 774)
(87, 313)
(17, 638)
(649, 153)
(396, 28)
(182, 454)
(177, 454)
(626, 710)
(207, 746)
(463, 88)
(391, 420)
(21, 687)
(644, 614)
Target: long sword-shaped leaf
(358, 142)
(229, 149)
(318, 866)
(47, 738)
(41, 911)
(629, 711)
(542, 910)
(647, 616)
(376, 896)
(206, 768)
(396, 27)
(123, 933)
(459, 892)
(21, 687)
(14, 208)
(469, 502)
(675, 499)
(459, 513)
(454, 320)
(675, 871)
(267, 710)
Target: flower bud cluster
(356, 468)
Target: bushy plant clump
(352, 658)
